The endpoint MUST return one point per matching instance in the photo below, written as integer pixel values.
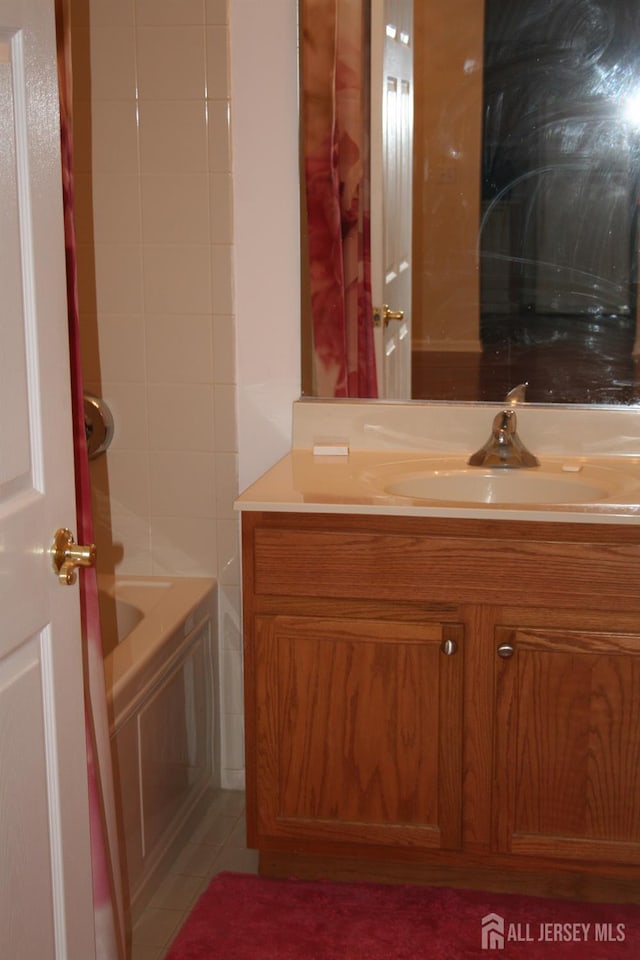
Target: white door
(391, 192)
(46, 907)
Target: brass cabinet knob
(66, 555)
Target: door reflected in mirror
(525, 124)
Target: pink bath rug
(243, 917)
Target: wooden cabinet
(360, 731)
(450, 701)
(567, 759)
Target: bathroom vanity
(441, 693)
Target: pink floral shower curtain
(107, 888)
(335, 148)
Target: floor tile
(196, 860)
(238, 836)
(214, 829)
(177, 892)
(155, 926)
(217, 844)
(237, 860)
(142, 952)
(229, 803)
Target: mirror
(526, 184)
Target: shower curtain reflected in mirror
(335, 117)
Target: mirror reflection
(474, 167)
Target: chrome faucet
(504, 448)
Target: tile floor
(217, 844)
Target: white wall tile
(107, 12)
(180, 417)
(221, 208)
(224, 349)
(168, 12)
(116, 208)
(219, 135)
(113, 45)
(182, 484)
(122, 348)
(222, 277)
(179, 348)
(129, 482)
(174, 208)
(217, 11)
(171, 63)
(131, 544)
(183, 547)
(118, 278)
(217, 62)
(128, 405)
(226, 485)
(225, 418)
(177, 278)
(173, 137)
(228, 537)
(114, 133)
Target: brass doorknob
(66, 555)
(385, 314)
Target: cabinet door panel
(359, 731)
(567, 747)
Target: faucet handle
(517, 394)
(504, 426)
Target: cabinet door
(358, 731)
(567, 772)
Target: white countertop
(355, 483)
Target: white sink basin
(475, 485)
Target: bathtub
(161, 669)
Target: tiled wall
(155, 251)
